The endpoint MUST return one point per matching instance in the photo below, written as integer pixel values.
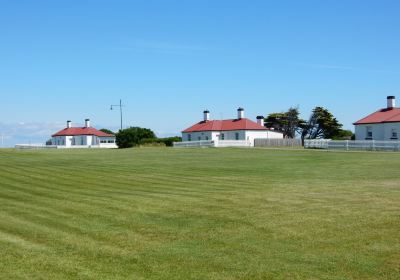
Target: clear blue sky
(169, 60)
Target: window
(237, 135)
(222, 136)
(103, 141)
(394, 134)
(110, 141)
(369, 132)
(206, 137)
(189, 137)
(199, 138)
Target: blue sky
(168, 60)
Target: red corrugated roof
(381, 116)
(225, 125)
(73, 131)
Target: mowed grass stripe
(198, 214)
(172, 183)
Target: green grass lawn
(163, 213)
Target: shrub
(132, 136)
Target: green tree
(287, 122)
(275, 121)
(105, 130)
(292, 122)
(321, 124)
(132, 136)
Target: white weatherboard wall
(248, 135)
(380, 131)
(107, 142)
(197, 136)
(83, 141)
(251, 135)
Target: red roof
(225, 125)
(73, 131)
(381, 116)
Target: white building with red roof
(240, 128)
(383, 124)
(82, 137)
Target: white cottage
(82, 137)
(382, 125)
(240, 128)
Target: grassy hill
(158, 213)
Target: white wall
(380, 131)
(249, 135)
(388, 130)
(197, 136)
(107, 142)
(58, 140)
(83, 140)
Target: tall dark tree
(292, 122)
(287, 122)
(321, 124)
(132, 136)
(275, 121)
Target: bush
(344, 135)
(132, 136)
(135, 136)
(152, 142)
(169, 141)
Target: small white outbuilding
(82, 137)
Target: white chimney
(240, 113)
(260, 120)
(206, 115)
(68, 124)
(391, 102)
(87, 123)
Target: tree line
(320, 124)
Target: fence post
(347, 145)
(373, 145)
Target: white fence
(277, 142)
(233, 143)
(34, 146)
(192, 144)
(347, 145)
(219, 143)
(43, 146)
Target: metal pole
(120, 108)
